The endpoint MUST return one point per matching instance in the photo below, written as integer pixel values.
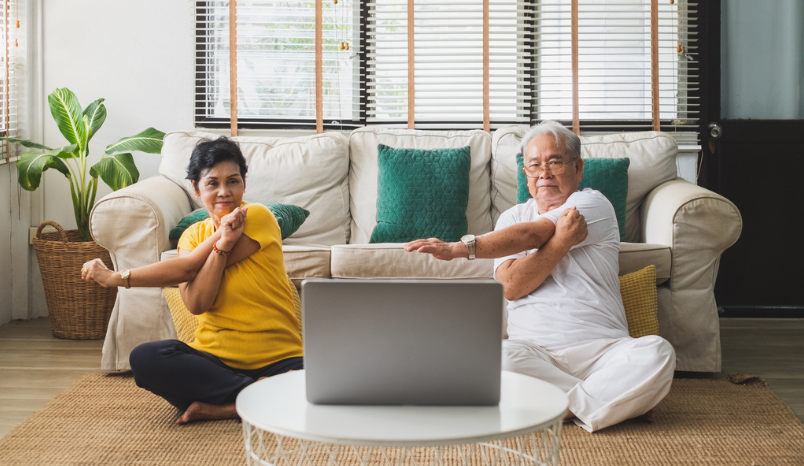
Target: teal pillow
(609, 176)
(421, 194)
(289, 217)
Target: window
(614, 65)
(529, 63)
(8, 98)
(276, 63)
(448, 62)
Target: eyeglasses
(555, 167)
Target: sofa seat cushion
(364, 173)
(652, 155)
(310, 172)
(390, 260)
(301, 262)
(637, 256)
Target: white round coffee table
(282, 429)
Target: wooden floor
(35, 366)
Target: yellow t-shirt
(252, 322)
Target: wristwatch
(470, 241)
(124, 274)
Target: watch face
(466, 238)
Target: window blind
(8, 95)
(448, 62)
(614, 65)
(529, 74)
(276, 63)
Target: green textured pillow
(421, 194)
(609, 176)
(289, 217)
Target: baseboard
(772, 312)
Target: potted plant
(78, 309)
(115, 167)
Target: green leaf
(66, 152)
(26, 143)
(96, 112)
(87, 135)
(118, 170)
(149, 141)
(32, 164)
(67, 112)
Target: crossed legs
(606, 381)
(196, 382)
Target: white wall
(136, 54)
(5, 246)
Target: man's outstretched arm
(510, 240)
(521, 276)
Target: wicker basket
(78, 310)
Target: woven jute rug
(104, 419)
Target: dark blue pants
(182, 375)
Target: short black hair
(209, 153)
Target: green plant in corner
(116, 166)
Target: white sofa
(677, 226)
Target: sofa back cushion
(364, 173)
(310, 172)
(652, 155)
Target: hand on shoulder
(232, 227)
(571, 228)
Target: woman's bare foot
(199, 411)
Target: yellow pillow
(186, 323)
(641, 301)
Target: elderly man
(557, 257)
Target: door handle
(715, 131)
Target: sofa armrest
(697, 225)
(134, 224)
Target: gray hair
(571, 141)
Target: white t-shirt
(580, 300)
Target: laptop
(402, 342)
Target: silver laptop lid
(403, 341)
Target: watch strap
(124, 274)
(470, 241)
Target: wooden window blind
(8, 95)
(448, 62)
(598, 65)
(615, 72)
(276, 63)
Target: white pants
(607, 381)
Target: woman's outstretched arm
(166, 273)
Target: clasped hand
(571, 228)
(231, 228)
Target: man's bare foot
(648, 417)
(199, 411)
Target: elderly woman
(231, 274)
